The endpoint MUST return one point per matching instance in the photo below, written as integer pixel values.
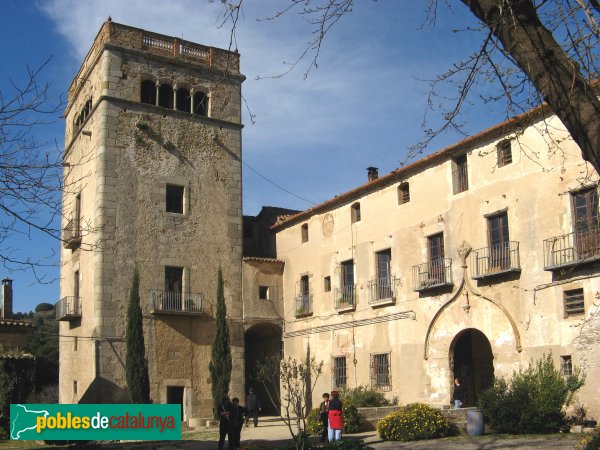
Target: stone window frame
(379, 361)
(403, 193)
(327, 283)
(504, 152)
(192, 89)
(566, 365)
(159, 274)
(162, 195)
(304, 232)
(339, 371)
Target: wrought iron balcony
(495, 260)
(433, 274)
(571, 249)
(68, 308)
(345, 298)
(72, 234)
(172, 302)
(303, 305)
(382, 291)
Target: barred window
(566, 365)
(403, 193)
(380, 370)
(573, 302)
(339, 372)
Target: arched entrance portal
(261, 341)
(472, 361)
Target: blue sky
(315, 137)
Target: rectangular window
(355, 213)
(77, 216)
(175, 199)
(263, 292)
(403, 193)
(566, 365)
(436, 267)
(339, 372)
(75, 343)
(75, 387)
(304, 229)
(173, 289)
(327, 284)
(380, 370)
(76, 285)
(586, 223)
(347, 273)
(460, 180)
(504, 153)
(499, 241)
(573, 302)
(384, 279)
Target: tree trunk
(556, 76)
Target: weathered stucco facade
(153, 176)
(469, 262)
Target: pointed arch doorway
(472, 361)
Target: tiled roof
(261, 259)
(15, 323)
(494, 132)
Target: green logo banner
(95, 422)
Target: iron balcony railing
(570, 249)
(303, 305)
(495, 260)
(68, 308)
(72, 234)
(345, 297)
(176, 302)
(382, 290)
(433, 274)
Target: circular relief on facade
(327, 225)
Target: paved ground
(275, 434)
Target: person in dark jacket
(224, 410)
(253, 406)
(323, 412)
(236, 422)
(458, 394)
(336, 418)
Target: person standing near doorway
(253, 406)
(458, 395)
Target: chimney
(7, 299)
(372, 173)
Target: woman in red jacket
(336, 418)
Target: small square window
(174, 199)
(403, 193)
(263, 292)
(573, 302)
(566, 365)
(327, 284)
(504, 153)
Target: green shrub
(346, 444)
(313, 422)
(364, 396)
(531, 401)
(414, 422)
(353, 420)
(589, 442)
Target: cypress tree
(220, 364)
(136, 366)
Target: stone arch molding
(469, 308)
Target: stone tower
(153, 181)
